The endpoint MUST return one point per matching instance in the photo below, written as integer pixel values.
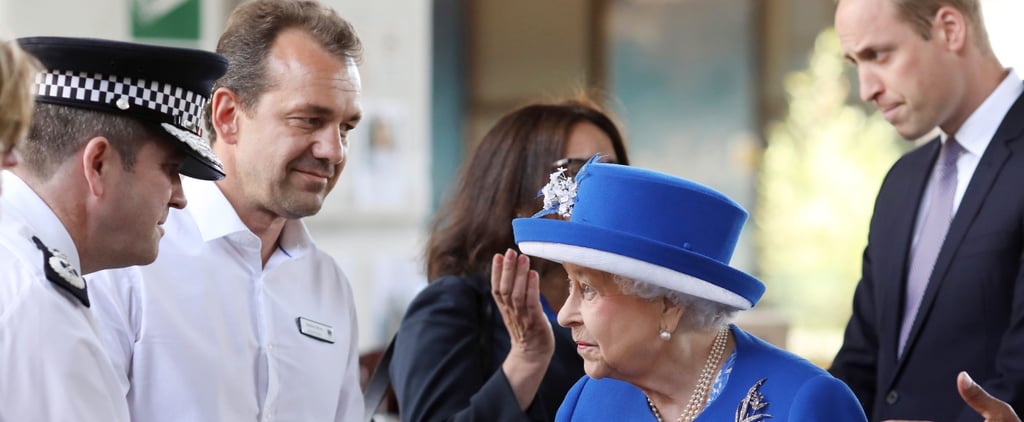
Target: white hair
(702, 314)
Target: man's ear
(99, 159)
(950, 26)
(224, 110)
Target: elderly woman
(651, 297)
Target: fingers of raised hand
(497, 274)
(518, 296)
(503, 275)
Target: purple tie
(931, 235)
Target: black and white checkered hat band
(183, 106)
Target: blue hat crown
(658, 220)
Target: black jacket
(448, 354)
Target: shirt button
(270, 346)
(892, 397)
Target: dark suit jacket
(972, 314)
(448, 353)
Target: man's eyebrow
(311, 108)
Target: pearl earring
(665, 335)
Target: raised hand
(516, 289)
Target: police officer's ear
(99, 160)
(224, 110)
(950, 28)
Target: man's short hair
(251, 31)
(920, 14)
(17, 73)
(57, 133)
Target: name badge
(310, 328)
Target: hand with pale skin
(516, 289)
(991, 408)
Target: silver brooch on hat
(752, 408)
(559, 194)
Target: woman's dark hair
(501, 182)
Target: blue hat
(644, 225)
(164, 87)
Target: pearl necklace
(696, 404)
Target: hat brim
(637, 258)
(200, 163)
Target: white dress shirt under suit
(207, 333)
(52, 365)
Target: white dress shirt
(974, 136)
(206, 333)
(52, 365)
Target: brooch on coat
(59, 271)
(752, 408)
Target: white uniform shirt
(207, 334)
(52, 365)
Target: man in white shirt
(113, 125)
(242, 317)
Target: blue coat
(793, 388)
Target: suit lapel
(991, 164)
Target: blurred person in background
(940, 290)
(243, 317)
(17, 73)
(113, 125)
(453, 358)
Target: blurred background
(750, 97)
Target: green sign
(165, 19)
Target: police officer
(113, 126)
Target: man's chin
(302, 208)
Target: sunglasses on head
(573, 165)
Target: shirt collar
(976, 133)
(19, 204)
(216, 218)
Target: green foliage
(819, 177)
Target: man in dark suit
(940, 290)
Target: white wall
(1002, 18)
(92, 18)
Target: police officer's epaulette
(60, 272)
